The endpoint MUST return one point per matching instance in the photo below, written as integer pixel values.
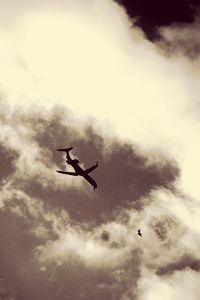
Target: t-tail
(65, 149)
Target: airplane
(139, 232)
(78, 170)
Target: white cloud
(33, 161)
(77, 245)
(89, 60)
(180, 285)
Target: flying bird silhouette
(139, 232)
(78, 170)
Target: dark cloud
(173, 26)
(151, 15)
(186, 261)
(72, 280)
(187, 43)
(181, 38)
(105, 236)
(6, 291)
(15, 253)
(95, 284)
(163, 227)
(123, 175)
(7, 160)
(28, 281)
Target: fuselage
(76, 167)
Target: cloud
(60, 224)
(182, 38)
(115, 65)
(6, 291)
(83, 77)
(7, 163)
(181, 284)
(184, 263)
(124, 174)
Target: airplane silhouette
(139, 232)
(78, 170)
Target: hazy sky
(121, 87)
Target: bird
(139, 232)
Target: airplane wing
(90, 180)
(67, 173)
(91, 168)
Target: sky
(119, 82)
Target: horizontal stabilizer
(65, 149)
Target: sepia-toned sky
(121, 85)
